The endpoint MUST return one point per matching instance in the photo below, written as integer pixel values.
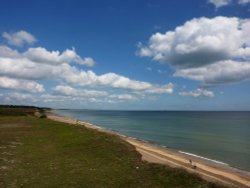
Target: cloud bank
(51, 65)
(26, 71)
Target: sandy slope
(209, 170)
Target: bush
(43, 116)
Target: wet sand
(207, 169)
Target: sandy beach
(208, 169)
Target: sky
(126, 55)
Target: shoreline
(211, 170)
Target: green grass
(41, 153)
(10, 111)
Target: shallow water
(221, 136)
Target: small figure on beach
(193, 165)
(77, 122)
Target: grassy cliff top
(37, 152)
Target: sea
(219, 136)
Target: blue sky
(145, 54)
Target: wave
(191, 154)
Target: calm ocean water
(221, 136)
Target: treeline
(24, 107)
(22, 110)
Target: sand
(209, 170)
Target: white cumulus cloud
(25, 66)
(6, 52)
(24, 85)
(242, 2)
(168, 88)
(204, 49)
(198, 93)
(70, 91)
(86, 61)
(26, 69)
(18, 98)
(220, 73)
(19, 38)
(23, 71)
(199, 42)
(41, 55)
(219, 3)
(123, 97)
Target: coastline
(211, 170)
